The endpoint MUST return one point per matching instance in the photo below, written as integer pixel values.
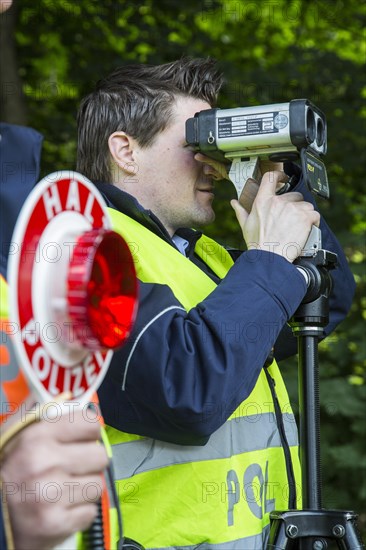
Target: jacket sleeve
(3, 542)
(342, 293)
(20, 147)
(182, 374)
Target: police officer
(205, 442)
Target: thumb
(269, 182)
(240, 212)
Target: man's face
(169, 181)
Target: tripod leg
(351, 539)
(278, 539)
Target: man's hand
(52, 479)
(213, 168)
(277, 223)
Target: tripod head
(313, 313)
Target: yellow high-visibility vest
(217, 496)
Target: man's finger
(316, 218)
(78, 426)
(215, 167)
(292, 196)
(269, 183)
(240, 212)
(77, 464)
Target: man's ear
(121, 150)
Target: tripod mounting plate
(336, 525)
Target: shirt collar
(180, 243)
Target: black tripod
(312, 528)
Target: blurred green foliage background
(53, 51)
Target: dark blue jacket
(20, 154)
(187, 372)
(3, 542)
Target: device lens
(320, 133)
(310, 126)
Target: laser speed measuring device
(294, 131)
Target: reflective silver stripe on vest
(256, 542)
(237, 436)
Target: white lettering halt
(52, 202)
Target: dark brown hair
(139, 100)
